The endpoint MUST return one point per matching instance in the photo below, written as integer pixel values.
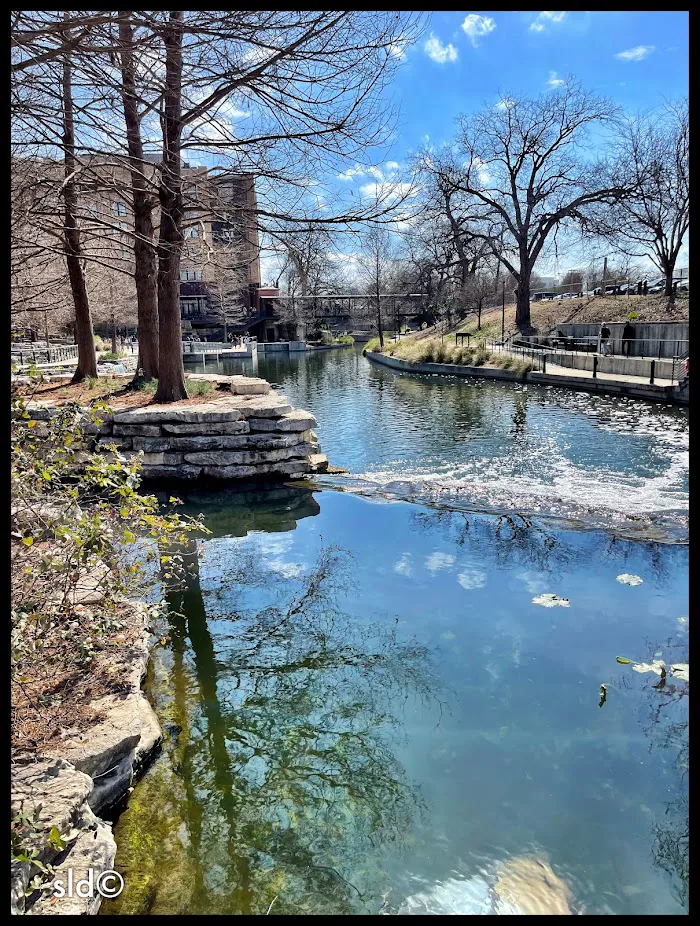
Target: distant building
(220, 286)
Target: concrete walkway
(557, 370)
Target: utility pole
(46, 328)
(503, 312)
(605, 274)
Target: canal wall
(246, 432)
(650, 339)
(671, 395)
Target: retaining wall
(247, 432)
(667, 394)
(651, 339)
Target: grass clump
(198, 387)
(372, 345)
(110, 355)
(346, 339)
(147, 385)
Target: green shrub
(198, 387)
(110, 355)
(372, 345)
(346, 339)
(147, 385)
(75, 515)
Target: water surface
(365, 712)
(602, 460)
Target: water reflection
(664, 716)
(400, 725)
(279, 775)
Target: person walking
(627, 338)
(639, 287)
(604, 338)
(645, 287)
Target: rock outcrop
(245, 432)
(85, 776)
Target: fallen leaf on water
(627, 579)
(622, 660)
(681, 670)
(656, 666)
(548, 600)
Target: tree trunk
(145, 269)
(84, 336)
(668, 273)
(522, 303)
(171, 379)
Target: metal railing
(651, 348)
(31, 354)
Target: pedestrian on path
(627, 338)
(604, 338)
(645, 287)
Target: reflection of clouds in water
(403, 566)
(533, 582)
(437, 561)
(471, 577)
(271, 545)
(288, 570)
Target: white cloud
(396, 50)
(477, 26)
(505, 103)
(352, 172)
(392, 165)
(546, 18)
(386, 191)
(438, 52)
(359, 171)
(636, 54)
(555, 81)
(437, 561)
(471, 578)
(403, 565)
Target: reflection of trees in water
(284, 769)
(665, 724)
(508, 539)
(518, 539)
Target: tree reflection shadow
(665, 724)
(282, 777)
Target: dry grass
(547, 315)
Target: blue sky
(477, 53)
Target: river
(367, 706)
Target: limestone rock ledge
(82, 778)
(249, 432)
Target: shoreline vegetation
(435, 350)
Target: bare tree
(377, 270)
(145, 264)
(520, 175)
(652, 222)
(87, 359)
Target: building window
(192, 231)
(191, 308)
(119, 209)
(190, 276)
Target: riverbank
(669, 395)
(84, 759)
(231, 428)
